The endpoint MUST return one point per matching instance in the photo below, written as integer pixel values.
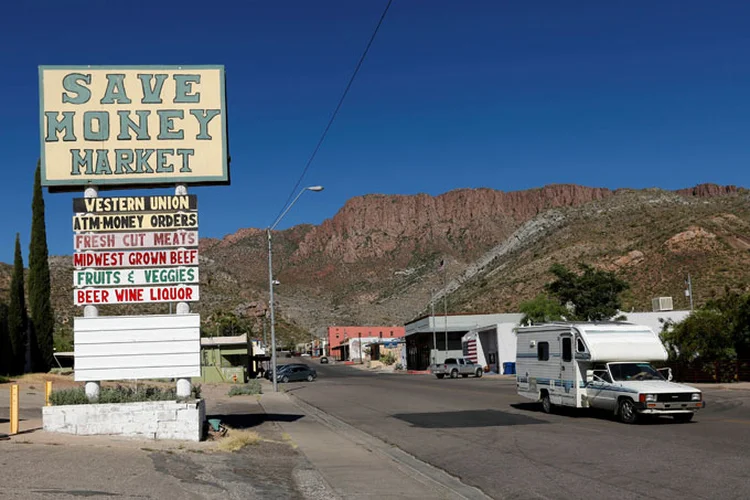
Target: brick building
(340, 335)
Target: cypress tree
(6, 350)
(42, 321)
(17, 321)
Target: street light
(272, 282)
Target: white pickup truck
(453, 367)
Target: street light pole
(271, 281)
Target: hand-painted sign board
(136, 258)
(119, 204)
(135, 295)
(134, 277)
(136, 126)
(135, 222)
(126, 241)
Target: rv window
(579, 345)
(542, 351)
(567, 349)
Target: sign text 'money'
(134, 222)
(135, 295)
(136, 126)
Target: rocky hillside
(375, 261)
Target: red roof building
(338, 335)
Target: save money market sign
(132, 126)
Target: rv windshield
(634, 371)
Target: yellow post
(14, 409)
(47, 391)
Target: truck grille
(674, 397)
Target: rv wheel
(546, 403)
(628, 413)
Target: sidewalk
(354, 464)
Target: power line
(338, 107)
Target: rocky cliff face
(708, 190)
(466, 221)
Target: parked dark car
(280, 369)
(297, 373)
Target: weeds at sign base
(117, 394)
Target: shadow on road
(589, 413)
(466, 419)
(248, 420)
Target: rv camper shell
(600, 365)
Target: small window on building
(579, 345)
(542, 351)
(567, 349)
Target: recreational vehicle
(600, 365)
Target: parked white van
(600, 365)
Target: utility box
(662, 304)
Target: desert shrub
(116, 394)
(75, 396)
(123, 394)
(388, 358)
(249, 389)
(195, 391)
(235, 440)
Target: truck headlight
(647, 398)
(696, 396)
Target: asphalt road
(480, 431)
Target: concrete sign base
(149, 420)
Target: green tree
(735, 309)
(17, 319)
(223, 323)
(541, 309)
(704, 336)
(594, 294)
(42, 321)
(6, 349)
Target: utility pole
(445, 312)
(689, 290)
(432, 321)
(265, 336)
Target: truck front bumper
(670, 408)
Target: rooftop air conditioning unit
(662, 304)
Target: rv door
(567, 379)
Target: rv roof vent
(662, 304)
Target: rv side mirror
(589, 376)
(666, 373)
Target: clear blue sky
(506, 95)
